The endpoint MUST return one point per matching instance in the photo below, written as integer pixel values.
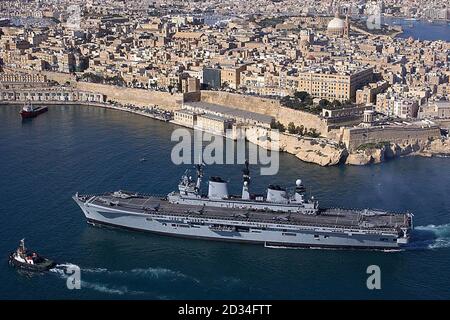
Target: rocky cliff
(378, 154)
(438, 147)
(320, 151)
(326, 152)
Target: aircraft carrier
(277, 218)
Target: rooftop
(228, 111)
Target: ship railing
(137, 194)
(359, 210)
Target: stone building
(231, 76)
(51, 95)
(406, 108)
(334, 85)
(185, 118)
(435, 110)
(22, 80)
(368, 94)
(190, 84)
(213, 123)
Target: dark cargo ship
(30, 111)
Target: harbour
(39, 197)
(421, 29)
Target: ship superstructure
(277, 218)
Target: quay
(65, 96)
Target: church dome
(336, 24)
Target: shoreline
(88, 104)
(312, 155)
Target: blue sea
(422, 29)
(46, 160)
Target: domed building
(338, 27)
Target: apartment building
(334, 85)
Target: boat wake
(430, 237)
(62, 271)
(155, 273)
(105, 274)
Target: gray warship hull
(330, 228)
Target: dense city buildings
(325, 62)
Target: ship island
(278, 219)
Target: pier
(66, 96)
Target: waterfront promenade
(149, 112)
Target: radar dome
(298, 182)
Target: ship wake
(63, 270)
(103, 278)
(431, 237)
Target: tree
(285, 100)
(348, 102)
(291, 128)
(313, 133)
(308, 100)
(301, 95)
(273, 124)
(336, 103)
(277, 125)
(324, 103)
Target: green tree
(301, 95)
(313, 133)
(324, 103)
(308, 100)
(336, 103)
(291, 128)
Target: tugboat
(30, 111)
(30, 261)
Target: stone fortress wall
(268, 107)
(137, 97)
(402, 135)
(122, 95)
